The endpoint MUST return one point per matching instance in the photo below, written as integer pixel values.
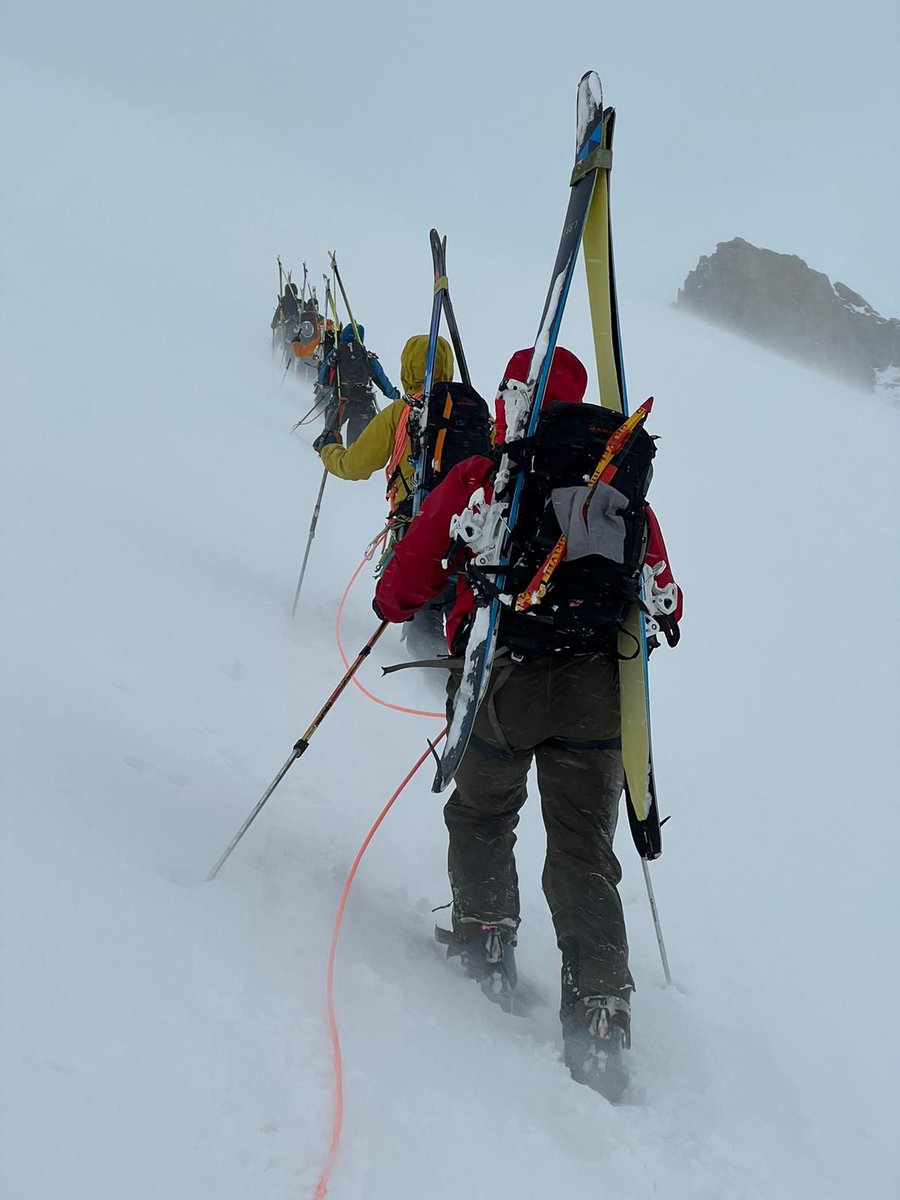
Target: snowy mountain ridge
(778, 301)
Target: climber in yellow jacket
(384, 442)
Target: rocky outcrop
(780, 302)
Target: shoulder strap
(399, 450)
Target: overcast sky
(357, 126)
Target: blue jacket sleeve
(381, 379)
(322, 377)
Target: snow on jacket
(378, 376)
(416, 574)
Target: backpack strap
(393, 470)
(446, 413)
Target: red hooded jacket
(416, 574)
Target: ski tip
(589, 109)
(590, 81)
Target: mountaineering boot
(595, 1032)
(488, 956)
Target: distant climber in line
(350, 371)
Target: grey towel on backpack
(603, 532)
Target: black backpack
(353, 366)
(588, 595)
(289, 305)
(458, 426)
(308, 328)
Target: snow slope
(166, 1037)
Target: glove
(377, 611)
(330, 437)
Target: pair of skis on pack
(441, 304)
(586, 224)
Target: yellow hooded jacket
(376, 446)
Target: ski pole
(656, 925)
(314, 411)
(309, 541)
(300, 747)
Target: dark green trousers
(564, 716)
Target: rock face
(780, 302)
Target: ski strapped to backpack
(419, 415)
(634, 684)
(448, 422)
(490, 524)
(343, 290)
(353, 374)
(439, 258)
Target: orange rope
(414, 712)
(338, 1116)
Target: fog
(165, 1037)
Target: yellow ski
(634, 698)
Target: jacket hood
(566, 383)
(412, 363)
(347, 334)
